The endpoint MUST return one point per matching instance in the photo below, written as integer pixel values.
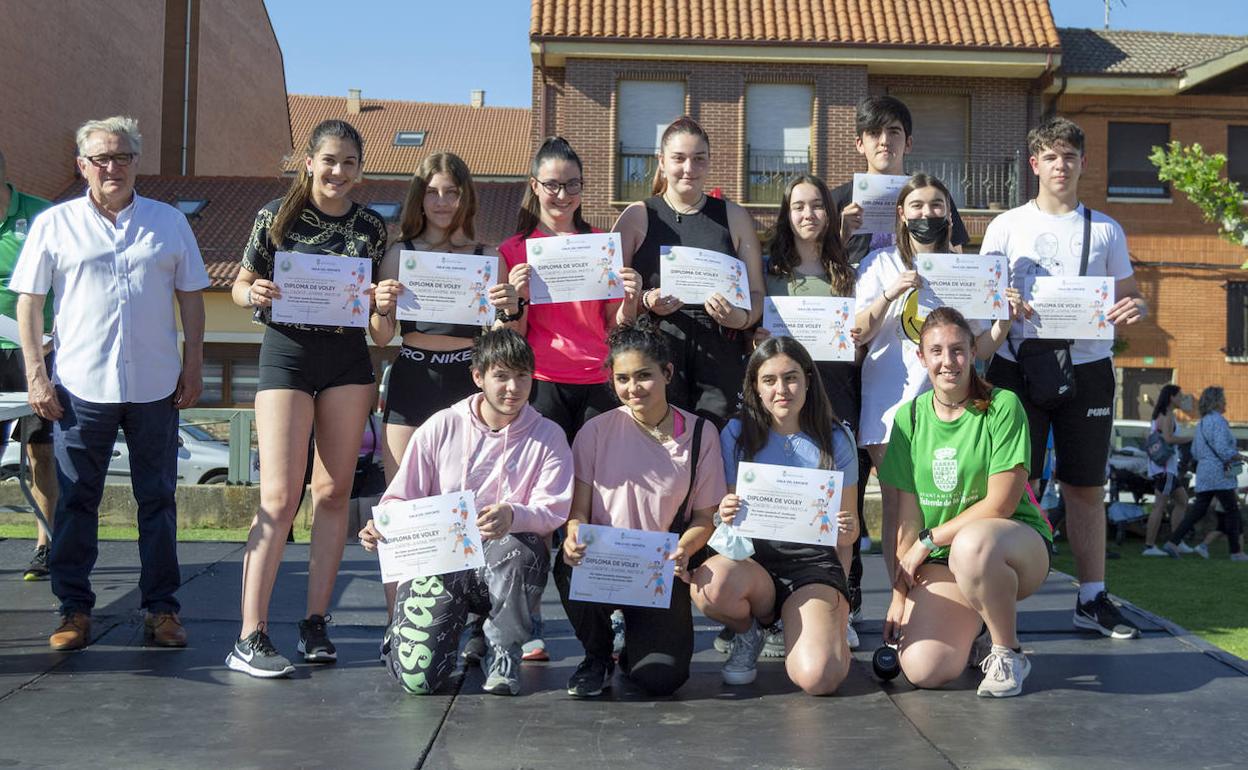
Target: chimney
(478, 98)
(353, 101)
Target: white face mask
(727, 542)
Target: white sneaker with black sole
(1103, 616)
(314, 644)
(773, 641)
(1004, 672)
(256, 655)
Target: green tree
(1198, 175)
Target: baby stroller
(1128, 472)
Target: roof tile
(493, 141)
(1128, 52)
(1007, 24)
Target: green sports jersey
(17, 219)
(946, 465)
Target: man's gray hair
(120, 125)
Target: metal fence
(635, 173)
(769, 171)
(978, 181)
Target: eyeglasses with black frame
(572, 186)
(118, 158)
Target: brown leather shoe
(164, 629)
(73, 633)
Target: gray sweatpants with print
(422, 641)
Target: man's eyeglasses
(118, 158)
(572, 186)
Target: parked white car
(202, 459)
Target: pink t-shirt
(569, 339)
(637, 482)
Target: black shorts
(298, 359)
(13, 379)
(1081, 427)
(570, 405)
(1164, 483)
(793, 565)
(709, 364)
(424, 382)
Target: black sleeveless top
(467, 331)
(706, 229)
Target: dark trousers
(570, 405)
(1228, 520)
(658, 644)
(83, 442)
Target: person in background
(19, 210)
(1218, 464)
(1167, 487)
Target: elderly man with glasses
(114, 262)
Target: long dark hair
(300, 191)
(817, 419)
(682, 125)
(530, 216)
(782, 242)
(412, 221)
(980, 393)
(1167, 394)
(917, 182)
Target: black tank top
(707, 229)
(467, 331)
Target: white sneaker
(1004, 672)
(1153, 550)
(852, 637)
(1203, 550)
(1184, 548)
(1241, 556)
(742, 665)
(502, 667)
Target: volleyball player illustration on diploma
(479, 289)
(994, 288)
(608, 270)
(656, 577)
(462, 540)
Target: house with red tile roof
(776, 83)
(1131, 91)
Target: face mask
(927, 230)
(727, 542)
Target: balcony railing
(636, 173)
(977, 182)
(768, 171)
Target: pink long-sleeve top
(527, 464)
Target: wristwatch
(504, 316)
(925, 537)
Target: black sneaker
(1102, 616)
(314, 642)
(257, 656)
(38, 569)
(591, 677)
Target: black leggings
(658, 644)
(1228, 520)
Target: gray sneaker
(773, 641)
(980, 649)
(742, 665)
(502, 670)
(1004, 672)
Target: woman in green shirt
(972, 541)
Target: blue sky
(432, 51)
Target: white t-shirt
(1037, 243)
(891, 372)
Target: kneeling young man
(518, 465)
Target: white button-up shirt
(116, 339)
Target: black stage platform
(1167, 700)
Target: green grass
(1205, 597)
(202, 534)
